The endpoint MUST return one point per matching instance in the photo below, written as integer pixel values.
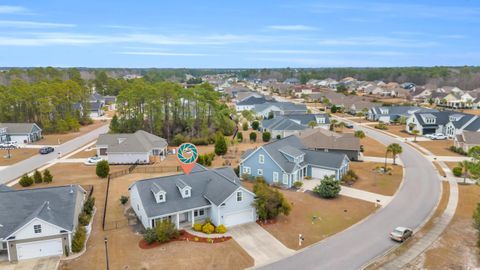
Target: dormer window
(187, 193)
(159, 193)
(184, 189)
(161, 197)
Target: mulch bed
(266, 222)
(185, 236)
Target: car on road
(11, 145)
(439, 136)
(348, 125)
(401, 234)
(93, 160)
(46, 150)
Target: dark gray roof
(324, 159)
(96, 97)
(281, 123)
(474, 125)
(304, 119)
(400, 110)
(282, 106)
(441, 118)
(273, 147)
(95, 106)
(207, 186)
(254, 100)
(138, 142)
(180, 183)
(18, 128)
(56, 205)
(291, 151)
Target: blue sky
(248, 34)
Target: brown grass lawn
(452, 165)
(475, 112)
(398, 130)
(457, 248)
(439, 147)
(439, 168)
(85, 153)
(372, 181)
(17, 155)
(54, 139)
(332, 217)
(360, 120)
(373, 147)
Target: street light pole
(106, 252)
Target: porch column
(193, 218)
(177, 221)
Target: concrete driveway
(259, 244)
(49, 263)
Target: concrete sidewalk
(69, 160)
(382, 160)
(448, 158)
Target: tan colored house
(467, 140)
(329, 141)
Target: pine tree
(220, 145)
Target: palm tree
(312, 124)
(386, 155)
(465, 165)
(395, 149)
(415, 133)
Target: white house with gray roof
(20, 132)
(286, 125)
(389, 114)
(185, 199)
(140, 147)
(38, 222)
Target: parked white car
(439, 136)
(430, 136)
(93, 160)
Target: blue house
(286, 161)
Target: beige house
(467, 140)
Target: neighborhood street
(357, 246)
(18, 169)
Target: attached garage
(51, 247)
(237, 218)
(320, 173)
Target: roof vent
(71, 189)
(48, 205)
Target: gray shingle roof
(400, 110)
(474, 125)
(320, 138)
(18, 128)
(254, 100)
(207, 186)
(291, 151)
(469, 137)
(441, 118)
(281, 123)
(138, 142)
(56, 205)
(324, 159)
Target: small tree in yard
(240, 136)
(350, 177)
(37, 177)
(47, 176)
(149, 236)
(395, 149)
(123, 199)
(312, 124)
(266, 136)
(220, 145)
(166, 231)
(415, 134)
(103, 169)
(253, 136)
(329, 188)
(457, 171)
(465, 166)
(79, 238)
(255, 125)
(269, 202)
(245, 126)
(26, 181)
(359, 134)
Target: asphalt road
(18, 169)
(358, 245)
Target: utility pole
(106, 252)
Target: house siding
(268, 167)
(137, 206)
(232, 206)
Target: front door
(183, 217)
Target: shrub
(179, 139)
(350, 177)
(279, 137)
(458, 150)
(37, 177)
(245, 126)
(221, 229)
(253, 136)
(328, 188)
(47, 176)
(298, 184)
(269, 202)
(266, 136)
(84, 219)
(457, 171)
(220, 145)
(165, 231)
(240, 136)
(149, 236)
(79, 238)
(88, 205)
(26, 181)
(208, 228)
(200, 141)
(381, 126)
(123, 199)
(255, 125)
(237, 170)
(102, 169)
(197, 227)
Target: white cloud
(149, 53)
(296, 27)
(328, 52)
(377, 41)
(31, 24)
(13, 10)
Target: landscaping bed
(186, 236)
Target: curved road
(358, 245)
(16, 170)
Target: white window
(239, 196)
(285, 179)
(161, 197)
(261, 159)
(187, 193)
(201, 212)
(246, 170)
(275, 177)
(260, 172)
(37, 228)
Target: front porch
(186, 219)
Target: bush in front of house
(84, 219)
(47, 176)
(328, 188)
(221, 229)
(266, 136)
(123, 199)
(297, 184)
(255, 125)
(458, 150)
(381, 126)
(197, 227)
(149, 236)
(457, 171)
(103, 169)
(253, 137)
(37, 177)
(26, 181)
(88, 205)
(208, 228)
(78, 240)
(349, 177)
(279, 137)
(166, 231)
(240, 136)
(269, 202)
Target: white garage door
(39, 249)
(238, 218)
(319, 173)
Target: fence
(114, 225)
(162, 169)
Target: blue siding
(268, 167)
